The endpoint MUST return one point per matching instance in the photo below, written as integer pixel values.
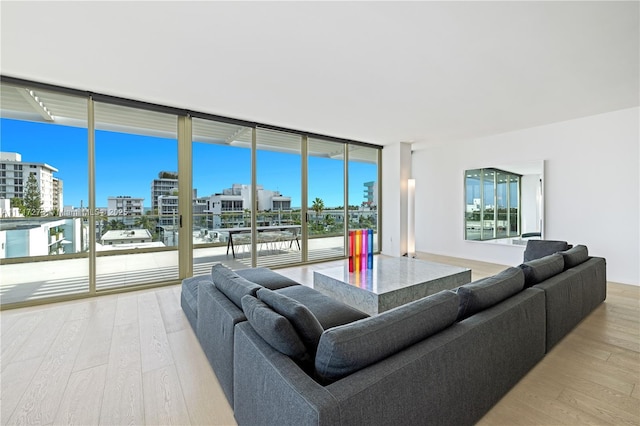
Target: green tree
(114, 224)
(32, 201)
(317, 206)
(17, 203)
(147, 222)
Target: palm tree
(115, 225)
(317, 206)
(146, 222)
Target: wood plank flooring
(133, 359)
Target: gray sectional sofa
(214, 311)
(286, 354)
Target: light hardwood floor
(133, 359)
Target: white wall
(592, 189)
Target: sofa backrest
(538, 270)
(575, 256)
(232, 285)
(484, 293)
(536, 249)
(348, 348)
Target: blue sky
(127, 164)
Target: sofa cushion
(348, 348)
(266, 278)
(303, 321)
(539, 270)
(231, 284)
(328, 311)
(484, 293)
(537, 249)
(575, 256)
(275, 329)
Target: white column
(396, 170)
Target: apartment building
(125, 205)
(58, 200)
(371, 194)
(14, 174)
(165, 184)
(26, 237)
(228, 207)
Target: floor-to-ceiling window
(136, 193)
(102, 194)
(363, 190)
(221, 170)
(325, 201)
(43, 194)
(278, 201)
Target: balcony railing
(61, 269)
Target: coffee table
(392, 282)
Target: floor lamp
(411, 218)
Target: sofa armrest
(217, 317)
(571, 296)
(270, 389)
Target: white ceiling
(378, 72)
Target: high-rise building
(371, 194)
(57, 195)
(166, 184)
(14, 174)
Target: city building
(166, 183)
(14, 174)
(128, 236)
(42, 237)
(57, 195)
(228, 208)
(371, 194)
(7, 211)
(167, 208)
(125, 207)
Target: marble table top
(392, 282)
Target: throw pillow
(348, 348)
(575, 256)
(302, 319)
(484, 293)
(537, 249)
(231, 284)
(539, 270)
(275, 329)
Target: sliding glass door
(136, 196)
(221, 208)
(326, 201)
(363, 190)
(278, 194)
(44, 241)
(102, 194)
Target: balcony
(61, 268)
(30, 280)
